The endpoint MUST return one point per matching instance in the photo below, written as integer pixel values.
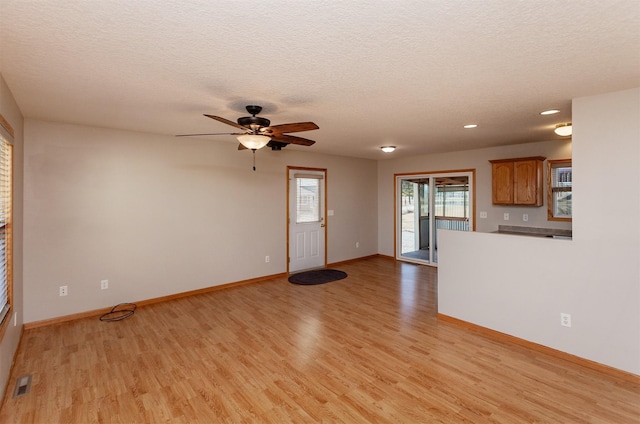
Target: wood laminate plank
(368, 348)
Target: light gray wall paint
(520, 285)
(471, 159)
(9, 343)
(158, 215)
(152, 215)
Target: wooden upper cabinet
(517, 181)
(502, 183)
(527, 182)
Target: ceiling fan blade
(291, 139)
(196, 135)
(289, 128)
(226, 121)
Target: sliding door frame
(397, 199)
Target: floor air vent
(23, 386)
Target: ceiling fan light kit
(253, 141)
(564, 130)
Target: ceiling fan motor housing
(250, 121)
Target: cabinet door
(502, 181)
(527, 182)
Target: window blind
(561, 187)
(5, 224)
(307, 199)
(310, 176)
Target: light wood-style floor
(368, 348)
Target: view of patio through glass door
(426, 203)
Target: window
(308, 198)
(452, 197)
(559, 178)
(6, 187)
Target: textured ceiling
(369, 73)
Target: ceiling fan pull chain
(254, 159)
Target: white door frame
(323, 253)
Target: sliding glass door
(426, 203)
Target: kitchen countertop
(534, 231)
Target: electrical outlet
(104, 284)
(506, 216)
(266, 259)
(525, 217)
(483, 214)
(357, 244)
(64, 290)
(565, 320)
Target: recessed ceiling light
(549, 112)
(388, 149)
(470, 126)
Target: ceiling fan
(257, 132)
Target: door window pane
(307, 200)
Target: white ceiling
(369, 73)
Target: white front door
(307, 229)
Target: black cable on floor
(119, 312)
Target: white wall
(520, 285)
(159, 215)
(9, 343)
(471, 159)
